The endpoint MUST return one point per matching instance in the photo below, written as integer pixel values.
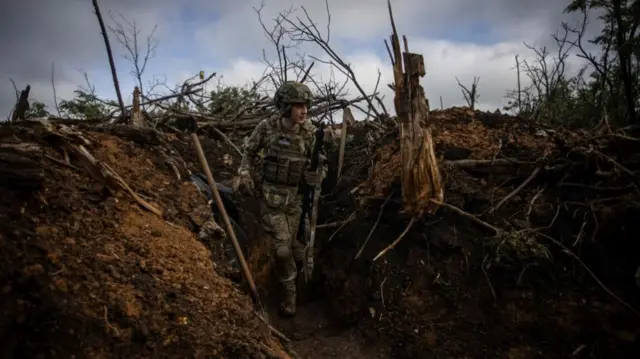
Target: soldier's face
(298, 113)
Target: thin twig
(493, 292)
(275, 331)
(394, 243)
(53, 85)
(337, 223)
(107, 324)
(461, 212)
(375, 225)
(574, 256)
(518, 189)
(344, 223)
(528, 216)
(60, 162)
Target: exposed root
(518, 189)
(394, 243)
(477, 220)
(375, 225)
(595, 278)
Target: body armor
(283, 167)
(284, 161)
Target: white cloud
(444, 60)
(463, 38)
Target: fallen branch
(518, 189)
(463, 213)
(20, 165)
(60, 162)
(107, 176)
(473, 163)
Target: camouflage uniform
(283, 167)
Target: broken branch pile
(523, 203)
(516, 178)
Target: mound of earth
(531, 256)
(88, 270)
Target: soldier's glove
(243, 184)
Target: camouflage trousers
(281, 227)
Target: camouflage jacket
(256, 147)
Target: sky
(458, 38)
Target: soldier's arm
(251, 149)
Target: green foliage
(37, 109)
(231, 99)
(609, 84)
(85, 105)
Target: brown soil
(449, 289)
(90, 274)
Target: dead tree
(285, 39)
(114, 74)
(470, 96)
(128, 34)
(280, 37)
(421, 181)
(305, 30)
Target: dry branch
(395, 243)
(107, 176)
(375, 225)
(346, 118)
(112, 64)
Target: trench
(433, 296)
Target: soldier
(287, 141)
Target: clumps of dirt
(85, 271)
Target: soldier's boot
(288, 304)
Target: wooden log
(21, 166)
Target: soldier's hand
(243, 184)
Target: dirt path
(313, 335)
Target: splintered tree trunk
(421, 180)
(136, 111)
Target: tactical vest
(283, 166)
(284, 160)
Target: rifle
(310, 203)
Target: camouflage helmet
(292, 92)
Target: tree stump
(421, 180)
